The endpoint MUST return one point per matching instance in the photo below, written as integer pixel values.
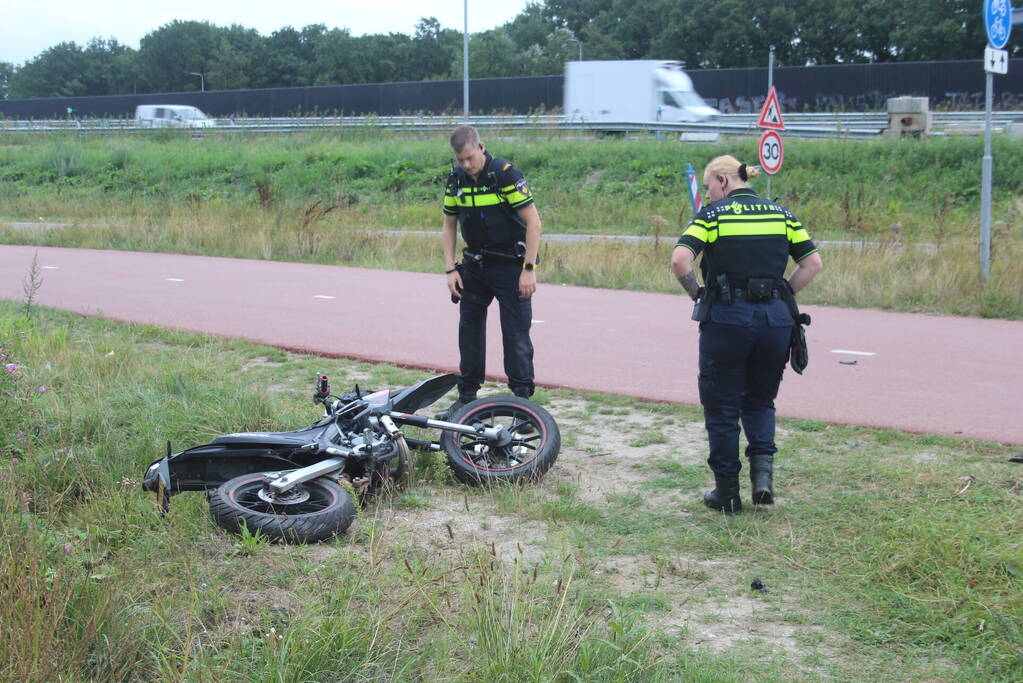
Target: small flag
(694, 189)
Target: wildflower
(68, 548)
(42, 389)
(15, 461)
(11, 368)
(21, 435)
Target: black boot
(761, 475)
(725, 496)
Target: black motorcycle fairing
(292, 439)
(423, 394)
(210, 465)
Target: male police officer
(745, 332)
(489, 199)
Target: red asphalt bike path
(927, 374)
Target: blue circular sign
(998, 22)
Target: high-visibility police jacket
(487, 208)
(744, 236)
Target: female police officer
(745, 326)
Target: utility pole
(465, 61)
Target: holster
(701, 307)
(799, 355)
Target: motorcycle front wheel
(533, 448)
(313, 511)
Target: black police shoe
(725, 496)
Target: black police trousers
(481, 284)
(743, 350)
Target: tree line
(731, 33)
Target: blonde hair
(727, 165)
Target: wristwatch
(529, 266)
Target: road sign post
(998, 20)
(770, 152)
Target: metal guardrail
(810, 125)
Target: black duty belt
(488, 255)
(756, 289)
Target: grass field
(888, 556)
(329, 198)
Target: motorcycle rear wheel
(318, 509)
(534, 447)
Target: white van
(171, 116)
(632, 91)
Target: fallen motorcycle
(297, 486)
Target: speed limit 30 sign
(770, 152)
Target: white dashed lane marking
(174, 279)
(854, 353)
(51, 268)
(323, 296)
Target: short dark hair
(462, 136)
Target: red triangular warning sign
(770, 114)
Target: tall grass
(326, 198)
(882, 541)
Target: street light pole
(580, 44)
(202, 80)
(465, 62)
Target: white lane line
(536, 321)
(854, 353)
(323, 296)
(174, 279)
(51, 267)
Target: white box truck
(171, 116)
(632, 91)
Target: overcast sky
(27, 27)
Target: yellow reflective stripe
(752, 217)
(515, 198)
(797, 236)
(478, 200)
(755, 230)
(697, 232)
(450, 201)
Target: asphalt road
(917, 373)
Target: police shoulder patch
(506, 166)
(522, 187)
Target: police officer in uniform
(489, 199)
(745, 322)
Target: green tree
(55, 72)
(532, 27)
(168, 55)
(432, 51)
(239, 60)
(335, 54)
(493, 54)
(6, 72)
(291, 55)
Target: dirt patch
(715, 609)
